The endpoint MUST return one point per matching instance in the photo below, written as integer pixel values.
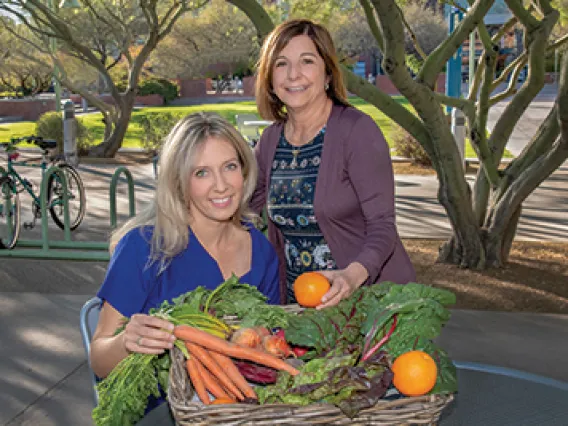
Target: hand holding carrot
(148, 334)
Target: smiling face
(216, 181)
(298, 75)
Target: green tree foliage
(99, 35)
(20, 76)
(217, 40)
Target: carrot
(202, 338)
(233, 372)
(203, 355)
(210, 382)
(196, 381)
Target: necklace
(296, 150)
(294, 162)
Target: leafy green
(269, 316)
(119, 393)
(367, 316)
(248, 304)
(328, 328)
(123, 395)
(333, 379)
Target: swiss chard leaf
(336, 379)
(328, 328)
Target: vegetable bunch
(125, 392)
(211, 368)
(350, 346)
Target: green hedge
(156, 126)
(154, 86)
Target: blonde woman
(196, 232)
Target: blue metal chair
(88, 319)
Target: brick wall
(149, 100)
(146, 100)
(192, 88)
(28, 109)
(248, 85)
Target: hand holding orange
(415, 373)
(309, 288)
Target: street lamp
(64, 4)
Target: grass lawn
(227, 110)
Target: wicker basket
(188, 411)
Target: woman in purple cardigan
(325, 173)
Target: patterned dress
(291, 208)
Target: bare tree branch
(413, 37)
(514, 110)
(257, 15)
(373, 26)
(465, 105)
(438, 58)
(525, 16)
(478, 133)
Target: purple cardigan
(354, 198)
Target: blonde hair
(168, 212)
(269, 105)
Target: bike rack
(113, 183)
(82, 250)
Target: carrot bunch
(211, 368)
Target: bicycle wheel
(9, 213)
(76, 193)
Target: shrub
(408, 147)
(148, 86)
(159, 86)
(156, 127)
(50, 126)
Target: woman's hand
(343, 283)
(148, 335)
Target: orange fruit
(415, 373)
(309, 288)
(223, 401)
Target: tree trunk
(112, 144)
(498, 243)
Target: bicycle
(12, 184)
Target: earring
(326, 86)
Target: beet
(257, 373)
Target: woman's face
(298, 76)
(216, 181)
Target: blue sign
(454, 65)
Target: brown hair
(269, 106)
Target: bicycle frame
(26, 184)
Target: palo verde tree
(132, 30)
(483, 218)
(21, 77)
